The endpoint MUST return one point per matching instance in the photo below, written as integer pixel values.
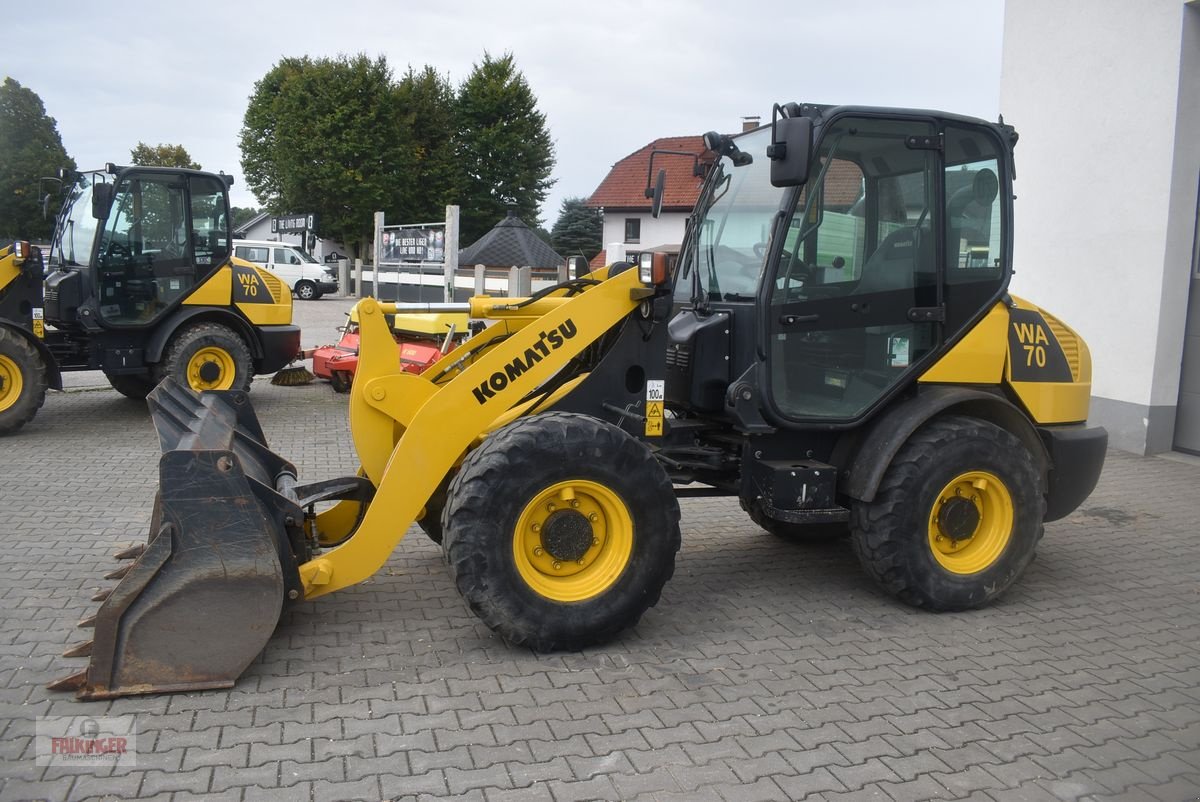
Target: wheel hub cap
(567, 535)
(210, 371)
(958, 518)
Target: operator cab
(886, 245)
(142, 236)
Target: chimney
(750, 123)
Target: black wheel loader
(836, 348)
(141, 285)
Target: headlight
(652, 268)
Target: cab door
(860, 298)
(164, 234)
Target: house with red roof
(628, 225)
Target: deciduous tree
(429, 107)
(162, 155)
(504, 149)
(30, 149)
(329, 136)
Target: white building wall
(666, 230)
(1106, 190)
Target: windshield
(736, 225)
(306, 256)
(76, 230)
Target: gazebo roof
(509, 243)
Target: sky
(610, 76)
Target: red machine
(422, 339)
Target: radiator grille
(274, 285)
(1067, 340)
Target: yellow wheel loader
(141, 286)
(836, 348)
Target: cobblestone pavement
(768, 670)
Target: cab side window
(209, 231)
(975, 225)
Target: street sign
(293, 223)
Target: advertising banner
(413, 245)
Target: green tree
(243, 215)
(30, 149)
(329, 136)
(162, 155)
(429, 105)
(578, 230)
(504, 150)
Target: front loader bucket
(202, 597)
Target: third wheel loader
(836, 348)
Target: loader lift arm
(231, 526)
(436, 433)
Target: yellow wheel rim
(11, 382)
(971, 522)
(201, 376)
(573, 540)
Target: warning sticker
(39, 323)
(655, 391)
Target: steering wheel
(117, 250)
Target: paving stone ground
(769, 670)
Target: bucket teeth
(79, 650)
(71, 683)
(131, 553)
(120, 572)
(101, 595)
(87, 623)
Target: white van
(303, 274)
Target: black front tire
(498, 484)
(135, 386)
(306, 291)
(896, 536)
(188, 343)
(22, 381)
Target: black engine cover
(64, 295)
(698, 363)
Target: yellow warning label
(39, 329)
(654, 418)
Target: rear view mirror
(102, 198)
(791, 140)
(660, 185)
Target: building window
(633, 229)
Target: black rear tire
(920, 550)
(22, 381)
(188, 348)
(606, 547)
(135, 387)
